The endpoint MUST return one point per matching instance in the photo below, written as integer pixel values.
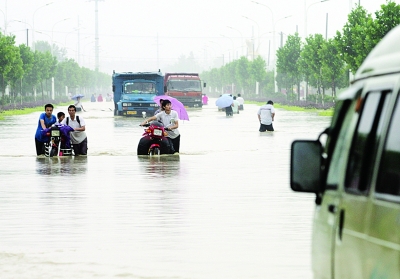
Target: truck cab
(186, 87)
(134, 92)
(353, 169)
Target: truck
(186, 87)
(134, 92)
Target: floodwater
(223, 208)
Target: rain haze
(151, 35)
(220, 208)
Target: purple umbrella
(176, 106)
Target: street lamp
(241, 35)
(84, 52)
(5, 22)
(220, 49)
(33, 24)
(52, 32)
(273, 41)
(233, 46)
(274, 47)
(27, 43)
(258, 28)
(272, 14)
(306, 13)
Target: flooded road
(223, 208)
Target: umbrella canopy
(175, 104)
(75, 97)
(224, 101)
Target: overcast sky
(147, 35)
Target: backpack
(77, 119)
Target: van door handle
(332, 208)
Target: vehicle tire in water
(53, 152)
(154, 151)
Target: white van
(355, 174)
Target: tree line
(25, 71)
(322, 64)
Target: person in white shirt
(78, 105)
(169, 118)
(235, 106)
(78, 136)
(241, 101)
(266, 114)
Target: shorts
(264, 128)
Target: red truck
(186, 87)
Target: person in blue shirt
(46, 119)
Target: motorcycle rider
(169, 118)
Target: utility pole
(96, 38)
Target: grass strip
(320, 112)
(24, 111)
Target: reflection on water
(66, 165)
(160, 166)
(222, 208)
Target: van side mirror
(165, 88)
(113, 88)
(306, 166)
(204, 84)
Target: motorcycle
(154, 140)
(59, 144)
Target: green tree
(257, 71)
(332, 67)
(386, 19)
(288, 58)
(312, 61)
(242, 74)
(356, 39)
(10, 62)
(27, 65)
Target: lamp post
(241, 35)
(233, 45)
(33, 24)
(220, 49)
(66, 35)
(52, 32)
(27, 42)
(84, 52)
(274, 50)
(306, 14)
(5, 22)
(273, 40)
(272, 14)
(258, 38)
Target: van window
(389, 171)
(336, 143)
(364, 145)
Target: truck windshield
(139, 87)
(184, 85)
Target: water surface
(220, 209)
